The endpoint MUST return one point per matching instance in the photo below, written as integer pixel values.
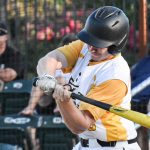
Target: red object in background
(45, 34)
(72, 24)
(133, 40)
(67, 30)
(72, 27)
(80, 13)
(78, 25)
(75, 25)
(68, 15)
(131, 37)
(64, 31)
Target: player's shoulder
(78, 43)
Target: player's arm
(80, 120)
(51, 62)
(77, 121)
(65, 56)
(35, 96)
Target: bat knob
(35, 81)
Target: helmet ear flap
(115, 49)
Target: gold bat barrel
(134, 116)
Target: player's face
(3, 42)
(98, 54)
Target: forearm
(35, 96)
(51, 62)
(76, 120)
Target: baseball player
(99, 72)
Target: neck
(105, 57)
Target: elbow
(47, 64)
(41, 66)
(41, 61)
(76, 130)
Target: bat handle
(91, 101)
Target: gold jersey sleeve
(110, 92)
(72, 51)
(67, 70)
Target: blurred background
(36, 27)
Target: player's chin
(95, 57)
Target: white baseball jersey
(90, 80)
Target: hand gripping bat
(137, 117)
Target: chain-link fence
(35, 28)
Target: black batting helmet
(107, 26)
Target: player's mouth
(94, 52)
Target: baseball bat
(137, 117)
(134, 116)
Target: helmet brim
(93, 41)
